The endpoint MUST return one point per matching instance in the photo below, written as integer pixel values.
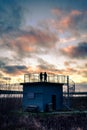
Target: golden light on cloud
(69, 49)
(76, 12)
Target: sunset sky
(44, 35)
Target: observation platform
(51, 78)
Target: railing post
(68, 90)
(24, 78)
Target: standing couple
(43, 76)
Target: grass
(12, 117)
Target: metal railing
(50, 78)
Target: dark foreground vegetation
(79, 103)
(13, 118)
(28, 121)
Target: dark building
(45, 96)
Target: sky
(44, 35)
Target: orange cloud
(66, 20)
(79, 51)
(75, 12)
(69, 49)
(31, 42)
(57, 11)
(27, 38)
(36, 39)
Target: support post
(68, 102)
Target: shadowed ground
(13, 118)
(28, 121)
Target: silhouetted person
(45, 76)
(41, 76)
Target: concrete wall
(53, 89)
(41, 93)
(35, 98)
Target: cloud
(68, 70)
(76, 12)
(44, 65)
(81, 87)
(84, 74)
(82, 70)
(48, 67)
(28, 43)
(39, 37)
(68, 63)
(1, 63)
(73, 21)
(81, 73)
(14, 70)
(79, 51)
(86, 65)
(5, 61)
(10, 15)
(57, 11)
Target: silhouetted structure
(42, 96)
(47, 95)
(45, 76)
(41, 76)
